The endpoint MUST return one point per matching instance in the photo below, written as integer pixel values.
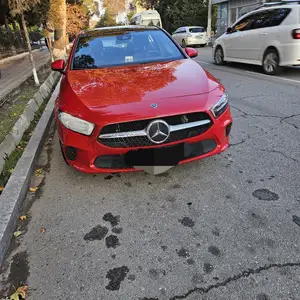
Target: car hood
(173, 86)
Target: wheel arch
(222, 47)
(270, 48)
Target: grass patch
(12, 160)
(15, 103)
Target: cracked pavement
(226, 227)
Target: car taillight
(296, 34)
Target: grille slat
(143, 141)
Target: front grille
(143, 141)
(142, 124)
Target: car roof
(117, 30)
(194, 27)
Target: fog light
(71, 153)
(228, 129)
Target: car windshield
(107, 48)
(151, 22)
(197, 29)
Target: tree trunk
(49, 41)
(17, 34)
(59, 8)
(36, 79)
(10, 36)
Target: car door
(233, 40)
(262, 31)
(176, 34)
(253, 39)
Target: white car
(190, 36)
(268, 36)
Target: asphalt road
(226, 227)
(15, 72)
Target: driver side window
(242, 25)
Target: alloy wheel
(271, 62)
(219, 57)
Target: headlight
(220, 106)
(76, 124)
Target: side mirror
(229, 30)
(191, 52)
(58, 65)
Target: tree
(114, 6)
(58, 17)
(78, 18)
(189, 13)
(106, 19)
(177, 13)
(19, 7)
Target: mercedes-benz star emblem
(153, 105)
(158, 131)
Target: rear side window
(268, 18)
(197, 29)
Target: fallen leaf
(11, 170)
(20, 292)
(17, 233)
(38, 172)
(42, 230)
(33, 189)
(22, 218)
(1, 188)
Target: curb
(17, 186)
(15, 57)
(15, 136)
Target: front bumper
(87, 155)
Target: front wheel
(183, 43)
(271, 62)
(219, 56)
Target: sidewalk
(14, 73)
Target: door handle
(263, 33)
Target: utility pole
(209, 21)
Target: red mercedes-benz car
(130, 97)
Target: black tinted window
(269, 18)
(116, 48)
(197, 29)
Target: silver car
(191, 36)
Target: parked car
(191, 36)
(268, 36)
(145, 104)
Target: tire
(270, 62)
(183, 43)
(219, 56)
(202, 45)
